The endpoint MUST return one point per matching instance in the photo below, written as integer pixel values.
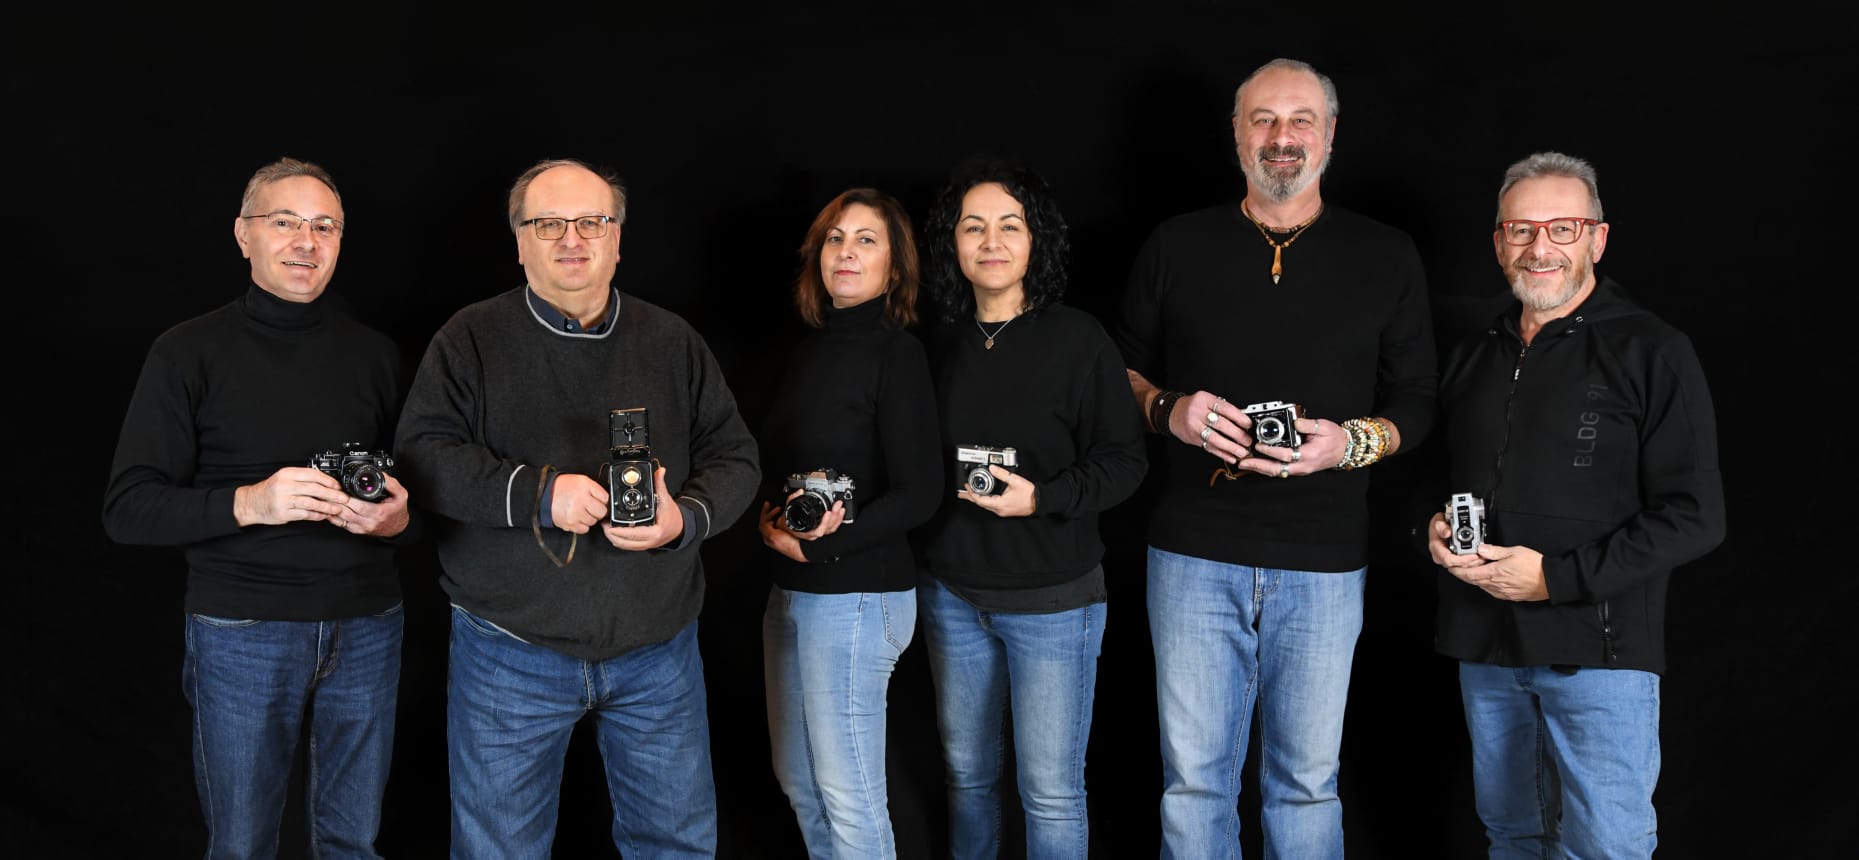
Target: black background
(1722, 148)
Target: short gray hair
(1288, 65)
(1543, 164)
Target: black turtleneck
(228, 398)
(856, 397)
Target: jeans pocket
(478, 625)
(216, 621)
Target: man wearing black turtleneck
(293, 604)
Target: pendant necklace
(1278, 248)
(997, 330)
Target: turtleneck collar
(859, 317)
(269, 310)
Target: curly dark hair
(944, 282)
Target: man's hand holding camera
(1505, 572)
(1286, 445)
(577, 503)
(666, 527)
(296, 493)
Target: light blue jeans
(1564, 765)
(1041, 669)
(510, 710)
(1229, 637)
(251, 683)
(827, 662)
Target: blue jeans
(1564, 765)
(1041, 668)
(828, 666)
(251, 683)
(510, 710)
(1229, 636)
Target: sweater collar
(859, 317)
(271, 311)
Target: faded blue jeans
(1041, 669)
(510, 710)
(1564, 764)
(827, 662)
(251, 684)
(1229, 637)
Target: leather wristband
(1161, 407)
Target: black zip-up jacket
(1597, 446)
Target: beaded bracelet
(1369, 440)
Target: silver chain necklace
(997, 330)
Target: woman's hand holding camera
(776, 534)
(1020, 499)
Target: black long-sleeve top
(1346, 334)
(856, 397)
(227, 399)
(1596, 445)
(1053, 388)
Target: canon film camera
(819, 489)
(1274, 423)
(971, 468)
(363, 473)
(1465, 515)
(629, 469)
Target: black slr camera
(1274, 423)
(1465, 515)
(363, 473)
(629, 469)
(971, 468)
(819, 489)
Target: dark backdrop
(131, 135)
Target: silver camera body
(1274, 423)
(971, 468)
(1465, 516)
(819, 489)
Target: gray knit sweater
(499, 395)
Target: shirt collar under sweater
(270, 311)
(559, 322)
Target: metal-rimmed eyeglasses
(1562, 231)
(285, 223)
(588, 226)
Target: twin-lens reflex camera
(629, 469)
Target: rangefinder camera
(363, 473)
(1465, 515)
(1274, 423)
(971, 468)
(629, 469)
(819, 489)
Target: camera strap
(535, 519)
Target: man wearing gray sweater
(557, 610)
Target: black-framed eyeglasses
(589, 226)
(1562, 231)
(286, 223)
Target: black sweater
(227, 399)
(1347, 334)
(856, 397)
(1053, 388)
(1596, 446)
(499, 394)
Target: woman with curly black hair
(1012, 601)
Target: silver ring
(1284, 471)
(1206, 432)
(1296, 455)
(1212, 416)
(1203, 444)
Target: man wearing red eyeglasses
(1584, 426)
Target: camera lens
(1269, 431)
(632, 499)
(980, 481)
(1465, 536)
(804, 511)
(364, 482)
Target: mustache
(1280, 151)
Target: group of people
(951, 481)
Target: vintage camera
(1465, 515)
(971, 468)
(629, 469)
(819, 489)
(1274, 423)
(363, 473)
